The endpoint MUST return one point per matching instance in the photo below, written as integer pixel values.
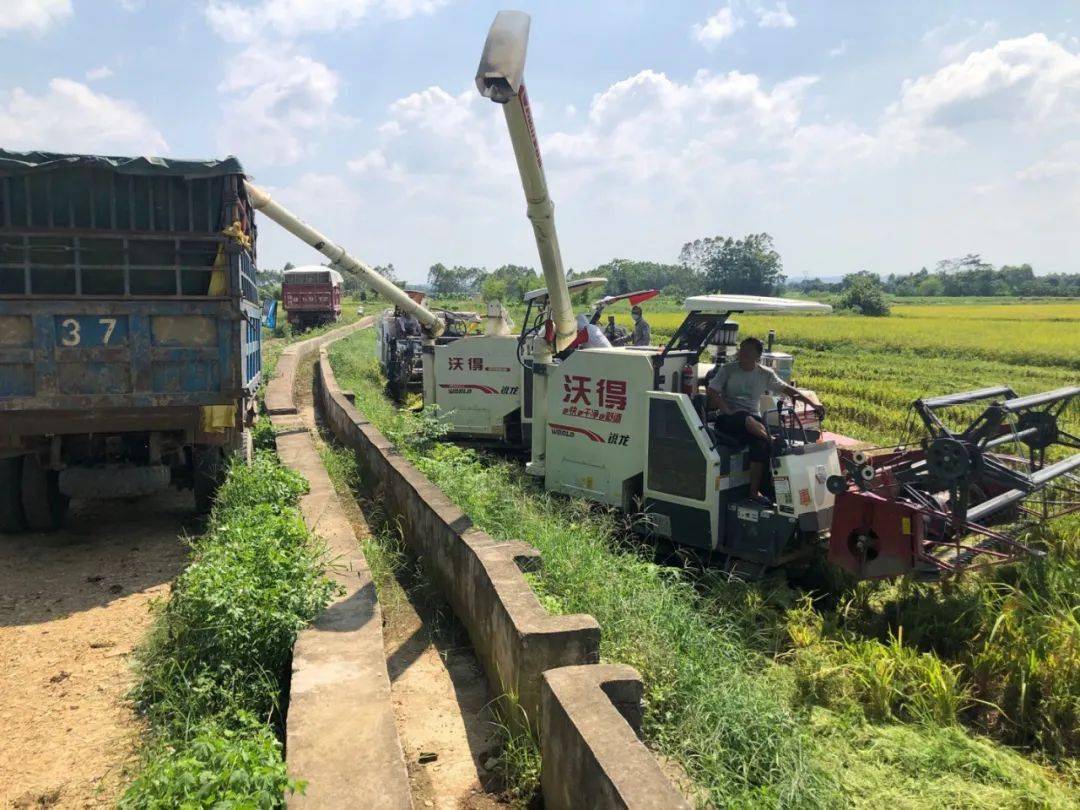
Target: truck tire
(207, 471)
(44, 506)
(12, 518)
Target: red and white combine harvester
(311, 295)
(629, 426)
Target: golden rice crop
(1051, 337)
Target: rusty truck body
(129, 328)
(312, 296)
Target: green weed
(211, 674)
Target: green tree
(863, 294)
(493, 289)
(454, 282)
(627, 275)
(929, 287)
(517, 279)
(749, 266)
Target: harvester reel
(949, 460)
(1045, 425)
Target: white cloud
(132, 5)
(36, 16)
(778, 17)
(1061, 161)
(277, 102)
(655, 159)
(239, 21)
(957, 36)
(717, 28)
(839, 50)
(70, 117)
(98, 73)
(646, 128)
(1017, 81)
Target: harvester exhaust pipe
(340, 259)
(500, 77)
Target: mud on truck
(129, 329)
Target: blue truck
(130, 341)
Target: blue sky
(861, 135)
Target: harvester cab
(629, 427)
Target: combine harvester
(628, 426)
(481, 380)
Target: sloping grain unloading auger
(500, 77)
(340, 259)
(960, 496)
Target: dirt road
(73, 605)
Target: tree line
(968, 275)
(749, 266)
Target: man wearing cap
(642, 335)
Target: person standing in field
(642, 335)
(735, 391)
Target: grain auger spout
(340, 259)
(500, 77)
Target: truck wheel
(43, 504)
(208, 468)
(11, 509)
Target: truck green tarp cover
(18, 163)
(47, 191)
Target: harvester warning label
(782, 486)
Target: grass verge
(721, 696)
(213, 671)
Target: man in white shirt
(590, 335)
(735, 391)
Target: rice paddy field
(812, 691)
(868, 371)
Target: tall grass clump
(213, 670)
(1009, 637)
(726, 696)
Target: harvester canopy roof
(576, 286)
(751, 303)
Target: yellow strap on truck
(216, 418)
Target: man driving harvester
(735, 391)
